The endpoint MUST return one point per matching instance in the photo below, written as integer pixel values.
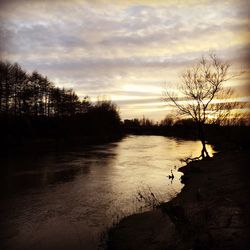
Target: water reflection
(51, 168)
(74, 195)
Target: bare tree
(202, 96)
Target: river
(65, 200)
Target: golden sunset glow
(129, 51)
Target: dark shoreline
(211, 212)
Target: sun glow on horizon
(129, 54)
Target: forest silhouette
(31, 106)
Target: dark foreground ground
(211, 212)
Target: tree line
(33, 94)
(32, 107)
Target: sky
(127, 51)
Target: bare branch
(200, 86)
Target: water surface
(64, 200)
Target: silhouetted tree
(168, 121)
(104, 117)
(84, 105)
(6, 78)
(201, 85)
(19, 79)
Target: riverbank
(211, 212)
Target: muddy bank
(211, 212)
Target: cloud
(98, 47)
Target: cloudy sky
(128, 51)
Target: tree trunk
(204, 153)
